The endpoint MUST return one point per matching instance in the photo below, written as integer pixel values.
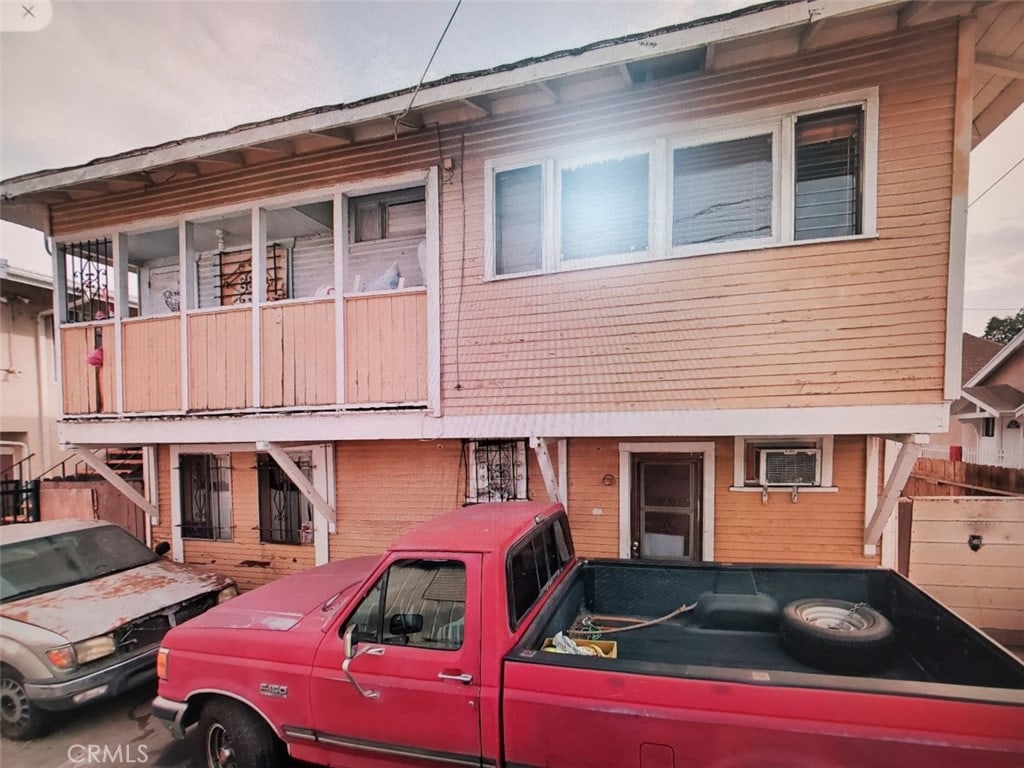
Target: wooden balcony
(385, 362)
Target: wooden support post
(540, 447)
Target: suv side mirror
(405, 624)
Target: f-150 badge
(277, 691)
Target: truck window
(534, 564)
(432, 589)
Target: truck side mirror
(405, 624)
(349, 642)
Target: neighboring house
(991, 409)
(29, 403)
(975, 353)
(704, 284)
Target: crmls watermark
(104, 754)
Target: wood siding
(88, 388)
(164, 477)
(297, 354)
(985, 587)
(220, 360)
(245, 558)
(846, 323)
(386, 347)
(152, 364)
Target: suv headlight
(226, 594)
(95, 648)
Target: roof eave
(602, 54)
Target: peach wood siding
(87, 388)
(985, 587)
(164, 478)
(220, 359)
(856, 322)
(245, 558)
(297, 354)
(386, 347)
(152, 364)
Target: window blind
(722, 191)
(518, 205)
(828, 196)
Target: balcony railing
(385, 361)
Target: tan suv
(83, 607)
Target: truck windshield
(533, 564)
(48, 563)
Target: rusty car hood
(99, 606)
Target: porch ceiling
(760, 33)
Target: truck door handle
(462, 678)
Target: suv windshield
(62, 560)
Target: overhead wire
(426, 69)
(1010, 170)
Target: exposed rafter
(546, 87)
(228, 159)
(811, 33)
(626, 77)
(479, 105)
(913, 12)
(709, 58)
(343, 135)
(89, 186)
(1000, 65)
(279, 147)
(188, 168)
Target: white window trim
(739, 472)
(707, 451)
(779, 120)
(473, 489)
(177, 515)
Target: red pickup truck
(438, 653)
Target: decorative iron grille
(204, 484)
(87, 267)
(235, 271)
(495, 470)
(286, 516)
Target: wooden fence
(940, 477)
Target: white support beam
(103, 470)
(890, 495)
(540, 447)
(563, 472)
(305, 486)
(258, 266)
(872, 470)
(1000, 65)
(121, 311)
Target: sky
(104, 77)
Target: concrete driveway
(119, 733)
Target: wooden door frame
(707, 451)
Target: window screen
(605, 208)
(828, 152)
(722, 191)
(518, 203)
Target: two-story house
(703, 284)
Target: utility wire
(427, 68)
(1012, 168)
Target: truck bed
(965, 665)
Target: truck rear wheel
(836, 635)
(20, 719)
(236, 737)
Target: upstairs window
(722, 191)
(828, 174)
(605, 208)
(518, 215)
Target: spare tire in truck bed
(836, 635)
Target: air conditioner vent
(790, 467)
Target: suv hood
(102, 605)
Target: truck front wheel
(20, 719)
(236, 737)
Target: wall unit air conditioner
(790, 467)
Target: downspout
(43, 390)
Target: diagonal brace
(890, 495)
(540, 447)
(296, 475)
(105, 471)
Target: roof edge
(997, 360)
(755, 19)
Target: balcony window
(387, 241)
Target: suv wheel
(20, 719)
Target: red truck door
(412, 690)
